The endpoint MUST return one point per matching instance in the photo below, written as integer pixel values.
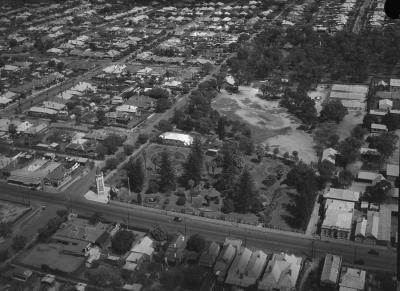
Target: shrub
(181, 201)
(142, 138)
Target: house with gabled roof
(247, 268)
(282, 273)
(331, 271)
(224, 261)
(209, 256)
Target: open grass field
(51, 255)
(270, 123)
(9, 212)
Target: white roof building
(126, 108)
(352, 279)
(331, 270)
(186, 139)
(338, 214)
(329, 155)
(342, 194)
(385, 104)
(144, 246)
(394, 82)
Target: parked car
(177, 219)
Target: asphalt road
(215, 230)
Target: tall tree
(385, 143)
(349, 150)
(167, 180)
(136, 175)
(194, 164)
(245, 195)
(333, 110)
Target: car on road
(177, 219)
(373, 252)
(44, 207)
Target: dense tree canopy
(333, 110)
(385, 143)
(122, 241)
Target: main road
(256, 238)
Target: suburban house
(175, 251)
(338, 219)
(246, 268)
(392, 172)
(394, 85)
(209, 256)
(282, 273)
(375, 228)
(369, 177)
(77, 230)
(377, 128)
(331, 271)
(385, 104)
(176, 138)
(352, 279)
(224, 261)
(142, 251)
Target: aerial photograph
(210, 145)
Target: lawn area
(52, 256)
(9, 212)
(270, 123)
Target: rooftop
(331, 269)
(342, 194)
(352, 278)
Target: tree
(95, 218)
(4, 254)
(162, 104)
(228, 206)
(136, 175)
(63, 213)
(196, 243)
(276, 151)
(12, 129)
(378, 192)
(170, 279)
(349, 150)
(244, 196)
(260, 152)
(194, 163)
(159, 234)
(345, 178)
(333, 110)
(167, 179)
(111, 163)
(18, 242)
(128, 149)
(385, 143)
(103, 278)
(221, 128)
(165, 125)
(142, 138)
(112, 142)
(325, 137)
(359, 132)
(192, 277)
(101, 117)
(101, 151)
(326, 171)
(181, 201)
(5, 229)
(122, 241)
(158, 93)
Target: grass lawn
(9, 212)
(270, 123)
(52, 256)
